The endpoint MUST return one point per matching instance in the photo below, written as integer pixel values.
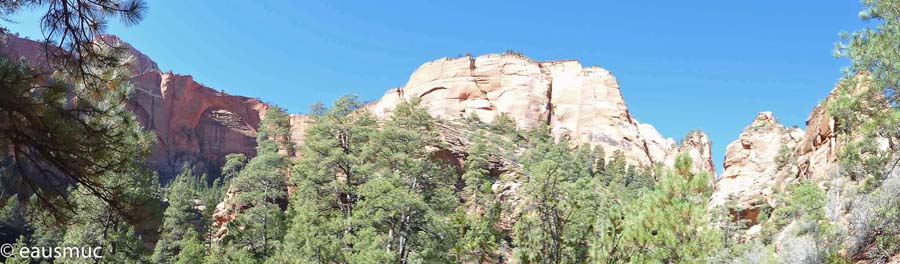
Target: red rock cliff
(194, 124)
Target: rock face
(751, 165)
(194, 124)
(31, 51)
(817, 153)
(582, 105)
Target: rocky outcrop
(699, 148)
(582, 105)
(751, 164)
(194, 124)
(817, 153)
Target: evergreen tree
(669, 224)
(16, 258)
(600, 161)
(479, 238)
(233, 164)
(616, 170)
(327, 179)
(179, 218)
(193, 251)
(98, 224)
(261, 189)
(560, 202)
(51, 143)
(375, 195)
(409, 195)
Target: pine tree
(600, 161)
(669, 224)
(327, 178)
(375, 195)
(16, 258)
(233, 164)
(51, 144)
(410, 195)
(615, 172)
(98, 224)
(261, 188)
(192, 251)
(178, 218)
(560, 200)
(479, 238)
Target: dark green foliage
(51, 143)
(668, 224)
(327, 179)
(377, 195)
(561, 197)
(179, 218)
(234, 163)
(504, 126)
(192, 251)
(479, 238)
(615, 171)
(79, 167)
(261, 189)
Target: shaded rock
(194, 124)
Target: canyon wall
(194, 124)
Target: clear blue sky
(681, 64)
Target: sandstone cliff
(194, 124)
(581, 105)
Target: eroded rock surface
(582, 105)
(194, 124)
(751, 164)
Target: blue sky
(682, 65)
